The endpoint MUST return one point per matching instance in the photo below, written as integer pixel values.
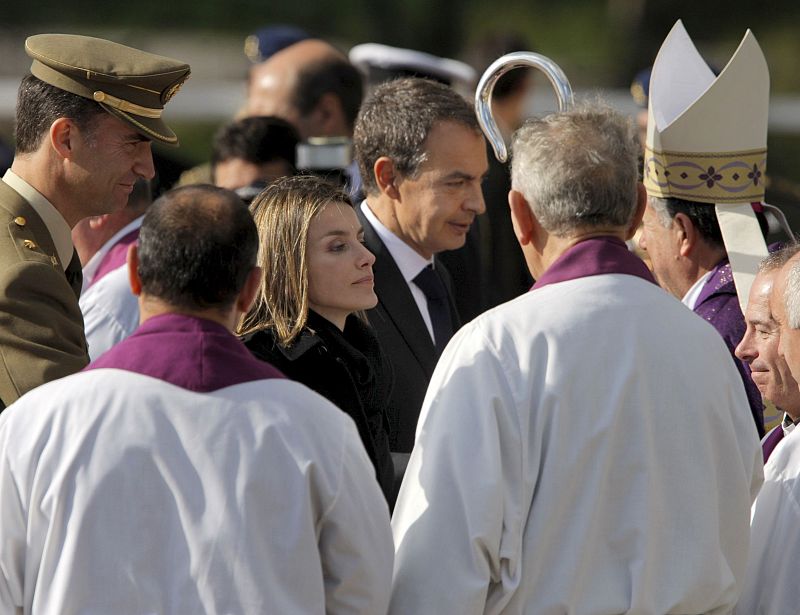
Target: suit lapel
(396, 301)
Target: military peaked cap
(130, 84)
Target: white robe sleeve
(355, 540)
(13, 526)
(457, 520)
(110, 312)
(770, 586)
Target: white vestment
(772, 581)
(124, 494)
(585, 449)
(110, 311)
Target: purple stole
(594, 256)
(116, 256)
(771, 441)
(193, 353)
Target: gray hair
(702, 215)
(578, 169)
(779, 258)
(792, 296)
(659, 206)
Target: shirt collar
(787, 424)
(693, 294)
(56, 225)
(594, 256)
(408, 261)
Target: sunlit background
(600, 45)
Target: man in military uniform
(86, 116)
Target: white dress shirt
(691, 296)
(408, 261)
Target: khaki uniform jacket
(41, 327)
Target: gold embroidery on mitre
(726, 177)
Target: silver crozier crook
(510, 61)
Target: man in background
(313, 86)
(249, 153)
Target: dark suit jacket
(41, 327)
(404, 339)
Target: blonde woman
(308, 317)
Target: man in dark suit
(422, 158)
(86, 116)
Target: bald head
(311, 85)
(197, 246)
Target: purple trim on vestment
(116, 257)
(193, 353)
(718, 304)
(720, 278)
(594, 256)
(772, 440)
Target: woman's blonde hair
(283, 213)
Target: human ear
(133, 270)
(63, 133)
(685, 234)
(522, 218)
(386, 177)
(641, 205)
(247, 295)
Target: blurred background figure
(640, 92)
(379, 63)
(308, 319)
(269, 40)
(249, 153)
(311, 85)
(314, 87)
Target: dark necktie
(438, 305)
(74, 273)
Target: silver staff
(510, 61)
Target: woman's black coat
(348, 368)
